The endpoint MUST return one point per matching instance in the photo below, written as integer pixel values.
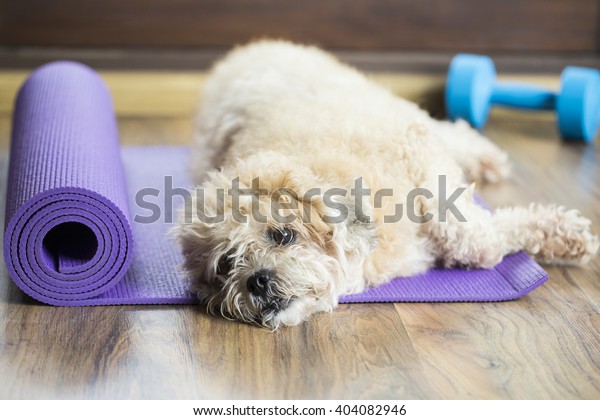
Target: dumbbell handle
(520, 95)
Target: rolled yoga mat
(71, 238)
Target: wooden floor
(545, 345)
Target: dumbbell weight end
(578, 104)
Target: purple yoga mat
(71, 238)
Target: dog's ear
(199, 230)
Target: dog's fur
(296, 118)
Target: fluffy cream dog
(316, 164)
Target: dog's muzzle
(260, 282)
(263, 289)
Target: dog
(279, 231)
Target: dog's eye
(284, 236)
(224, 265)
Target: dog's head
(266, 242)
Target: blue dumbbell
(471, 89)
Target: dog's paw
(568, 238)
(489, 166)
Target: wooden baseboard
(201, 59)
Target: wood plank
(153, 94)
(179, 352)
(176, 94)
(545, 345)
(496, 25)
(355, 352)
(148, 94)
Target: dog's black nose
(258, 283)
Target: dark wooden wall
(560, 26)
